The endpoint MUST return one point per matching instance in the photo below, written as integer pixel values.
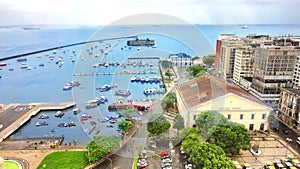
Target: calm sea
(45, 83)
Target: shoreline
(16, 115)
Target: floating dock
(15, 115)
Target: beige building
(273, 69)
(243, 63)
(208, 93)
(289, 105)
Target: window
(252, 116)
(195, 117)
(263, 116)
(251, 126)
(241, 117)
(229, 116)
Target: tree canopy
(95, 152)
(208, 61)
(124, 125)
(109, 143)
(178, 123)
(127, 113)
(166, 64)
(169, 74)
(206, 156)
(168, 101)
(157, 124)
(200, 70)
(230, 136)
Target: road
(291, 134)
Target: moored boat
(3, 64)
(124, 92)
(59, 114)
(43, 116)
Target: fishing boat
(41, 65)
(124, 92)
(38, 124)
(60, 64)
(59, 114)
(244, 27)
(24, 66)
(133, 79)
(70, 85)
(3, 64)
(22, 60)
(149, 91)
(43, 116)
(102, 99)
(106, 87)
(76, 110)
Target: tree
(208, 61)
(127, 113)
(95, 152)
(124, 125)
(191, 139)
(108, 143)
(168, 101)
(205, 155)
(157, 124)
(166, 64)
(196, 69)
(209, 119)
(178, 123)
(169, 74)
(231, 137)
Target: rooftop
(205, 88)
(293, 90)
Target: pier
(15, 115)
(63, 46)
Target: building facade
(208, 93)
(243, 63)
(288, 106)
(273, 69)
(181, 59)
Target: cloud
(95, 12)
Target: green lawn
(64, 160)
(11, 165)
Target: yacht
(59, 114)
(244, 27)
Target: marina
(12, 118)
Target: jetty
(13, 116)
(64, 46)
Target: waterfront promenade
(13, 116)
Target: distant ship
(244, 27)
(30, 28)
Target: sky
(104, 12)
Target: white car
(188, 166)
(167, 160)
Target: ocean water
(45, 83)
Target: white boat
(154, 46)
(60, 64)
(123, 92)
(59, 114)
(29, 68)
(24, 66)
(138, 49)
(95, 65)
(244, 27)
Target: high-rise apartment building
(273, 69)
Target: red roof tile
(205, 88)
